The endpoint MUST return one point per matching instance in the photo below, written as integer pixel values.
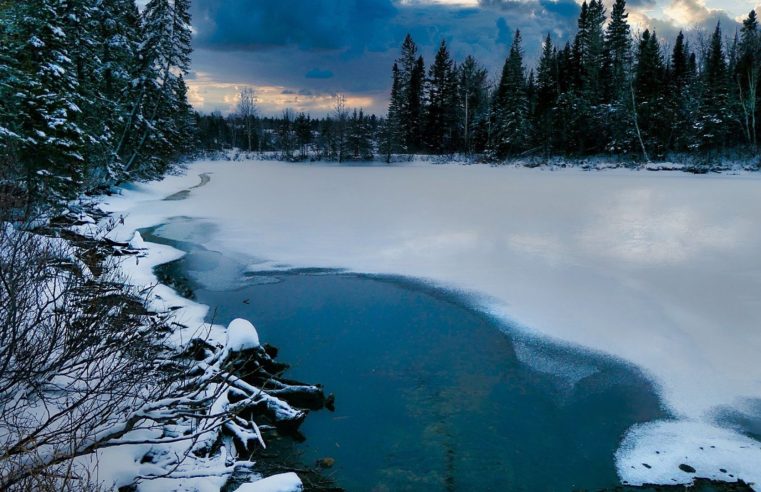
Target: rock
(330, 402)
(271, 350)
(326, 462)
(686, 468)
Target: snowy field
(659, 269)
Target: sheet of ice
(660, 269)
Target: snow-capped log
(241, 335)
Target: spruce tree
(165, 54)
(413, 114)
(510, 106)
(650, 96)
(392, 137)
(746, 76)
(411, 85)
(45, 91)
(473, 105)
(440, 97)
(546, 95)
(618, 46)
(681, 101)
(715, 114)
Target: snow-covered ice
(659, 269)
(284, 482)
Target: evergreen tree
(473, 105)
(392, 136)
(411, 85)
(440, 109)
(618, 47)
(715, 114)
(302, 127)
(587, 65)
(44, 89)
(649, 84)
(165, 55)
(510, 105)
(546, 95)
(681, 103)
(746, 77)
(413, 114)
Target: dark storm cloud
(316, 73)
(504, 33)
(308, 24)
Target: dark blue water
(431, 394)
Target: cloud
(504, 33)
(687, 12)
(312, 25)
(208, 94)
(316, 73)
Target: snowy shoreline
(120, 465)
(734, 167)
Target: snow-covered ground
(659, 269)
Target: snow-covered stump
(254, 394)
(256, 386)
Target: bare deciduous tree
(84, 363)
(341, 115)
(247, 111)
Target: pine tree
(546, 95)
(392, 137)
(618, 45)
(588, 59)
(303, 130)
(650, 96)
(165, 54)
(411, 84)
(45, 91)
(119, 26)
(746, 76)
(715, 114)
(473, 105)
(510, 106)
(681, 102)
(440, 97)
(413, 115)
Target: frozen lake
(660, 270)
(431, 394)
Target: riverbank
(246, 388)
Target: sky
(299, 54)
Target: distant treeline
(91, 93)
(607, 92)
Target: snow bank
(241, 335)
(659, 269)
(140, 206)
(285, 482)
